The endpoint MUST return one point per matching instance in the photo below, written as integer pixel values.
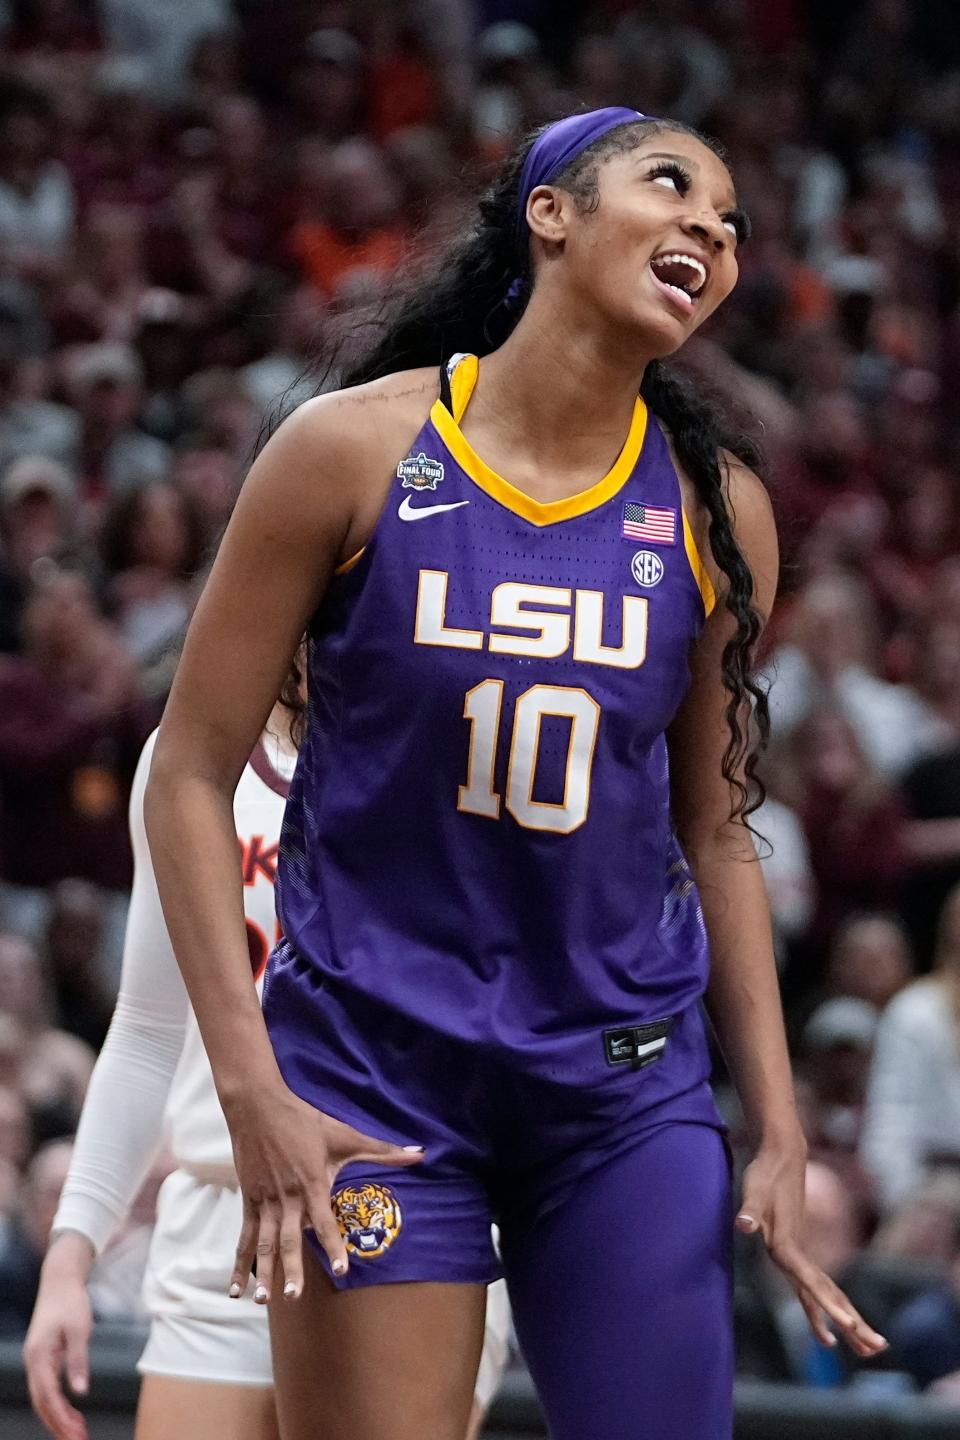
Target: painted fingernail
(414, 1149)
(260, 1294)
(289, 1290)
(339, 1267)
(234, 1291)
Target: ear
(548, 211)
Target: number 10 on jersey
(483, 706)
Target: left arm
(743, 998)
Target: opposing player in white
(206, 1367)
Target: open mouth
(681, 276)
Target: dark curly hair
(461, 303)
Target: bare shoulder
(751, 516)
(360, 418)
(337, 453)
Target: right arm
(309, 501)
(119, 1134)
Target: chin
(659, 335)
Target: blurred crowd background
(192, 194)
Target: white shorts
(198, 1333)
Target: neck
(564, 381)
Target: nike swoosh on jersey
(407, 512)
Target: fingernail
(414, 1149)
(234, 1291)
(746, 1220)
(79, 1385)
(289, 1290)
(339, 1267)
(831, 1341)
(260, 1294)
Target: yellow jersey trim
(537, 512)
(462, 383)
(349, 564)
(704, 583)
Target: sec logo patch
(647, 569)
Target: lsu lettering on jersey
(197, 1129)
(478, 834)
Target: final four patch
(419, 472)
(368, 1217)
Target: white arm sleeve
(121, 1125)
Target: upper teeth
(699, 277)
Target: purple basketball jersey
(478, 834)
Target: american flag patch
(654, 523)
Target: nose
(709, 229)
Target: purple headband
(562, 142)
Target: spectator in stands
(24, 1241)
(152, 546)
(53, 1075)
(13, 1047)
(830, 660)
(925, 1334)
(115, 455)
(912, 1118)
(74, 950)
(165, 341)
(931, 792)
(36, 196)
(100, 298)
(836, 1048)
(207, 471)
(853, 822)
(283, 376)
(924, 1230)
(328, 86)
(31, 423)
(785, 858)
(870, 959)
(24, 985)
(220, 406)
(353, 225)
(39, 520)
(15, 1138)
(71, 726)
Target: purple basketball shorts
(613, 1201)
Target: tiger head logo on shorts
(369, 1218)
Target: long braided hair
(471, 299)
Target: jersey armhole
(349, 564)
(704, 584)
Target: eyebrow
(668, 155)
(691, 164)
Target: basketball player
(206, 1366)
(533, 584)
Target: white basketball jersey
(197, 1130)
